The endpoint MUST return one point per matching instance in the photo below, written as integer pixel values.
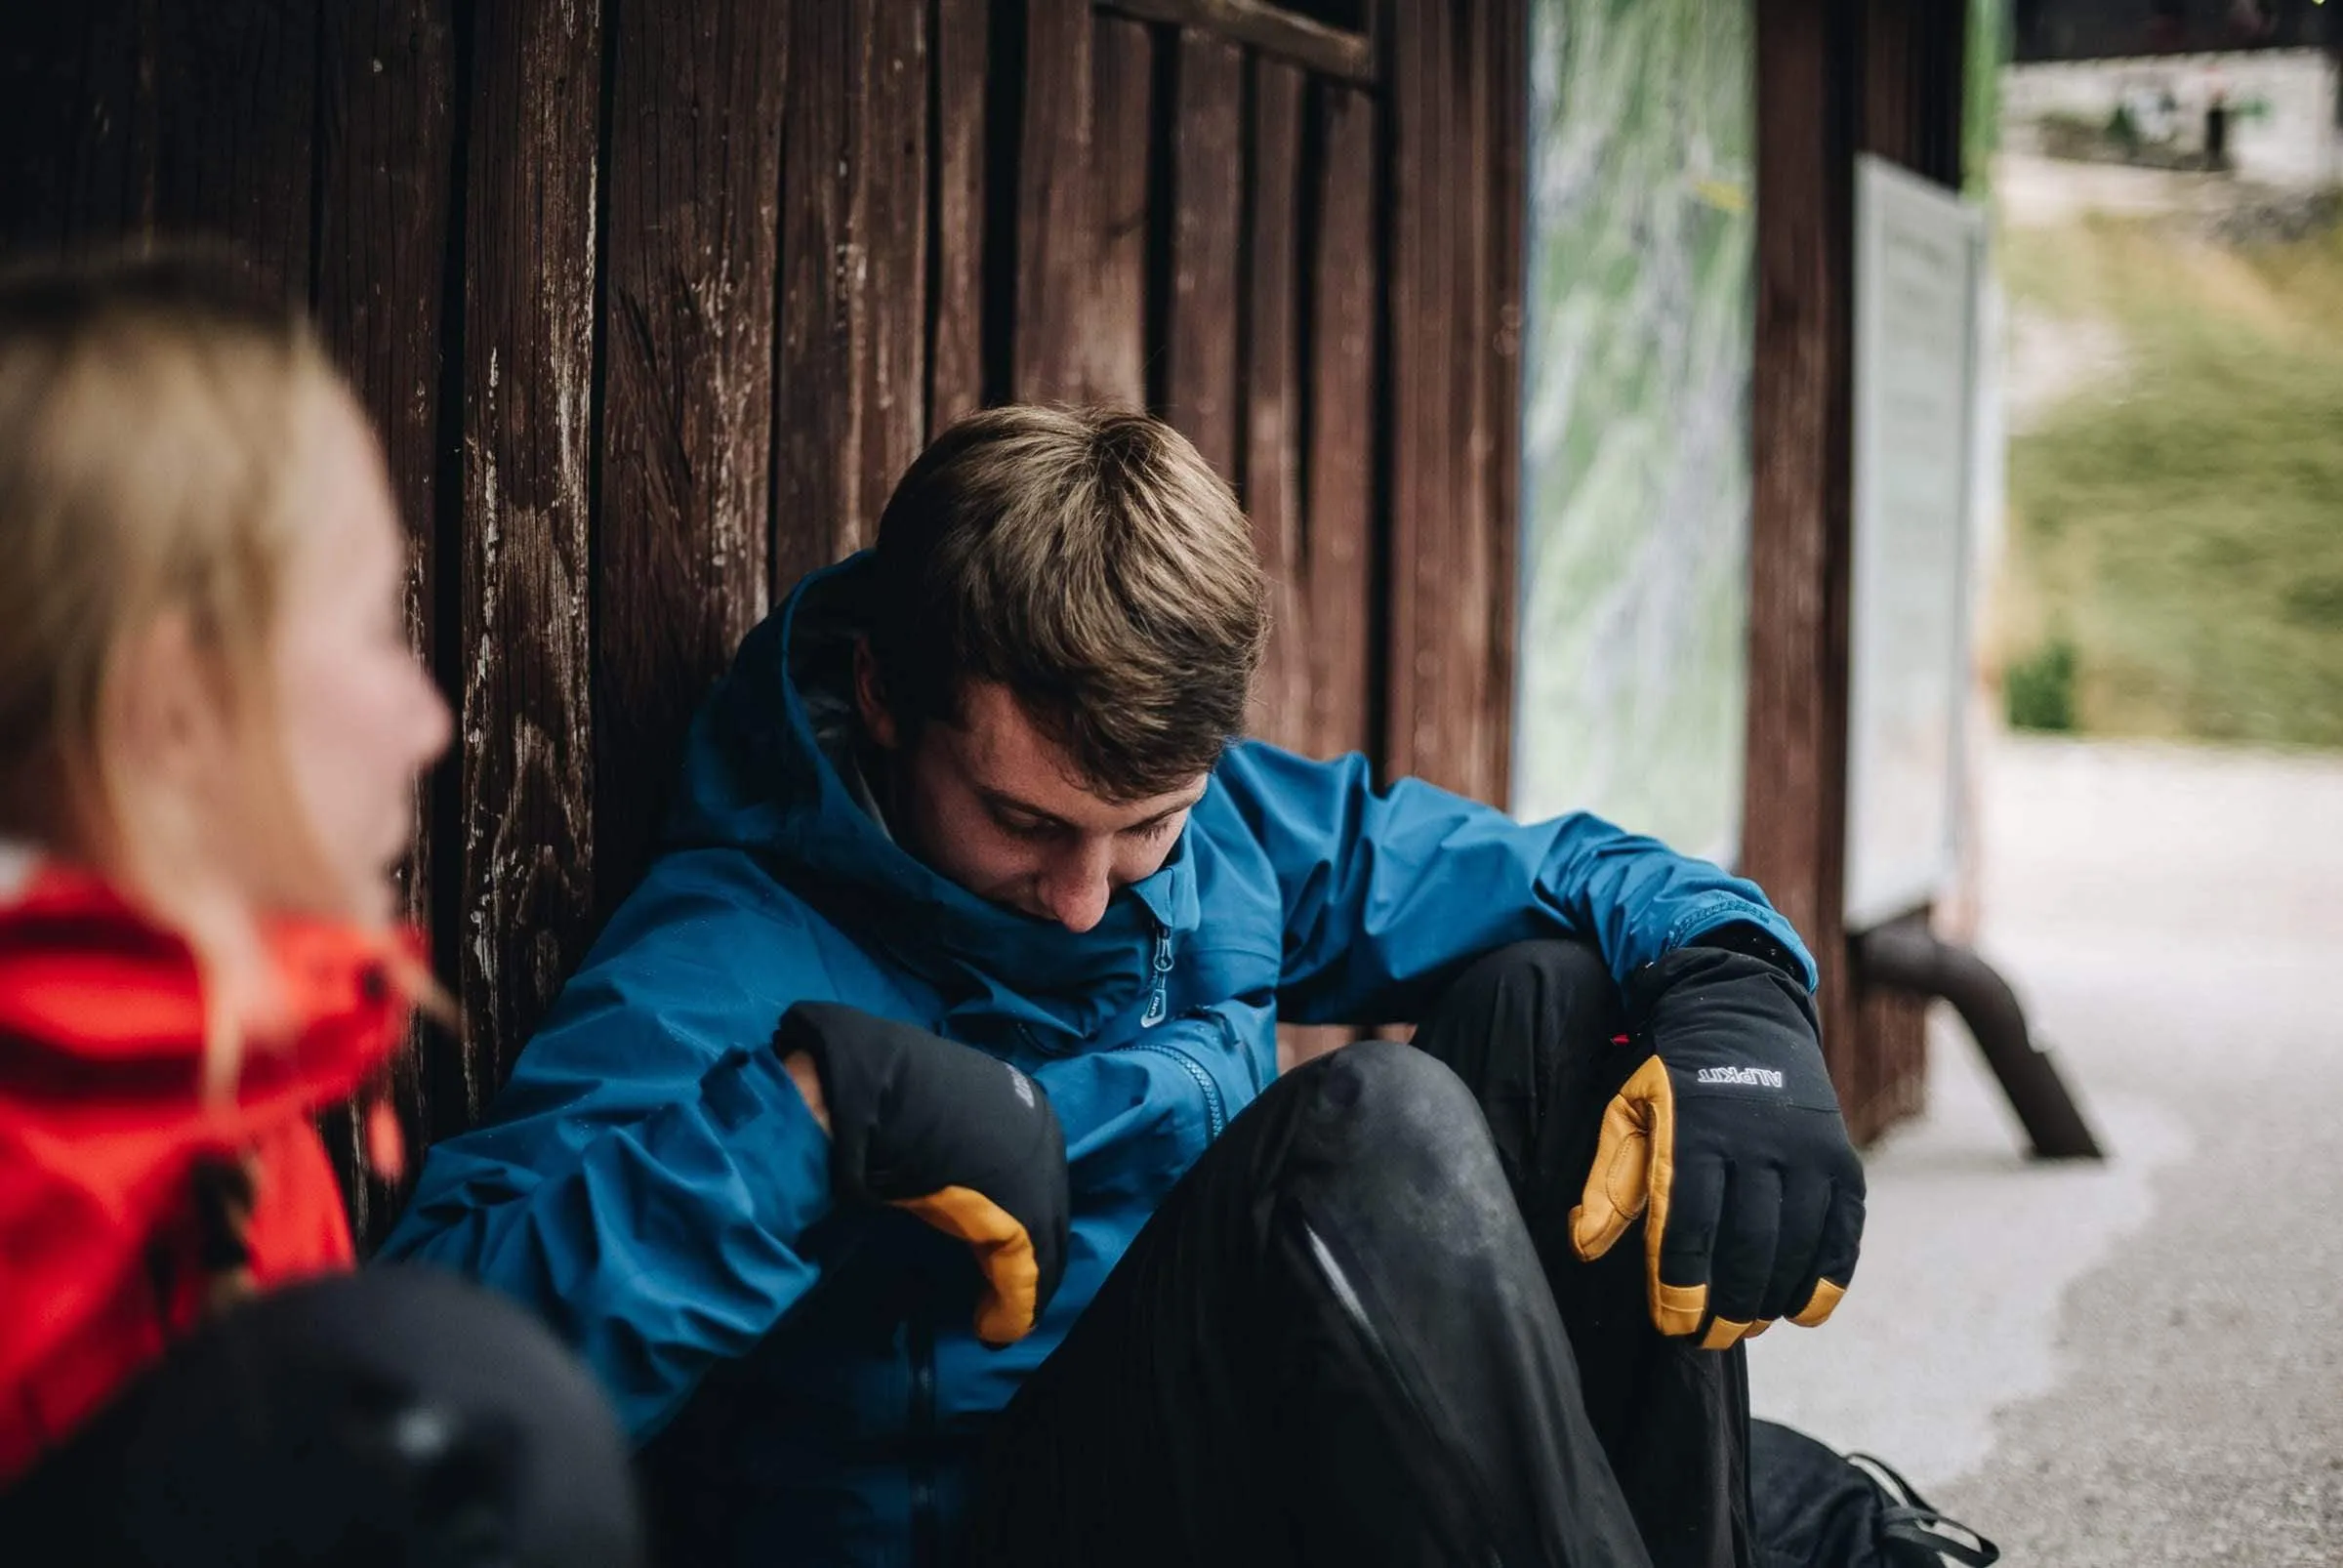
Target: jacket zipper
(926, 1532)
(1158, 1005)
(1216, 1114)
(1159, 999)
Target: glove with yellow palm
(1729, 1141)
(962, 1139)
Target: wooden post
(1833, 77)
(1793, 815)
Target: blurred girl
(211, 725)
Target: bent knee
(1406, 1109)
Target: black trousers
(1355, 1332)
(394, 1418)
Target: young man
(967, 818)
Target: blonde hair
(150, 413)
(1091, 561)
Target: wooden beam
(1277, 32)
(1793, 821)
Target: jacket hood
(761, 774)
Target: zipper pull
(1159, 1000)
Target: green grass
(2179, 527)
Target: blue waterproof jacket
(651, 1183)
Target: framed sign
(1920, 254)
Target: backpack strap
(1909, 1520)
(1931, 1532)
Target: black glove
(1731, 1136)
(964, 1142)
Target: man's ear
(870, 698)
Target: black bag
(1817, 1509)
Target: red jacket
(105, 1135)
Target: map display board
(1640, 334)
(1920, 254)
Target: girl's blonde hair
(150, 421)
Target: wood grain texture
(1280, 292)
(526, 895)
(1201, 394)
(1503, 92)
(1113, 356)
(1338, 571)
(1793, 817)
(1448, 678)
(959, 65)
(235, 93)
(681, 536)
(1055, 248)
(854, 268)
(1273, 411)
(384, 136)
(76, 125)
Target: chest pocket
(1137, 1114)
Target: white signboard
(1918, 257)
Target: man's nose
(1078, 884)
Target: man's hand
(963, 1140)
(1730, 1136)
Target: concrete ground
(2138, 1364)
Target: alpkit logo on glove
(1024, 1085)
(1741, 1077)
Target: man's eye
(1150, 832)
(1020, 829)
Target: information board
(1918, 258)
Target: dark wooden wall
(653, 298)
(1834, 77)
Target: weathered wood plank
(527, 878)
(235, 91)
(889, 161)
(1453, 163)
(853, 258)
(76, 127)
(1504, 120)
(958, 62)
(1434, 591)
(688, 333)
(385, 116)
(1793, 814)
(1273, 413)
(1113, 352)
(1338, 537)
(1201, 392)
(1056, 249)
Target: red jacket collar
(102, 1007)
